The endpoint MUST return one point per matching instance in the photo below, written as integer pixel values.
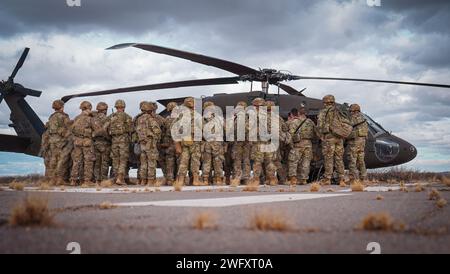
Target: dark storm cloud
(258, 25)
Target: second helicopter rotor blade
(372, 80)
(19, 63)
(290, 90)
(187, 83)
(229, 66)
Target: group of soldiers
(81, 151)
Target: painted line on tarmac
(232, 201)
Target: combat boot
(73, 182)
(169, 182)
(88, 183)
(60, 181)
(150, 182)
(273, 181)
(254, 181)
(142, 182)
(235, 182)
(218, 181)
(196, 180)
(180, 180)
(293, 181)
(302, 182)
(325, 181)
(120, 180)
(205, 181)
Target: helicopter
(383, 149)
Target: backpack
(340, 124)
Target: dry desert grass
(107, 205)
(267, 220)
(204, 220)
(314, 187)
(32, 211)
(381, 222)
(357, 186)
(19, 186)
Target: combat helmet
(102, 106)
(57, 104)
(355, 107)
(189, 102)
(270, 104)
(146, 106)
(328, 99)
(120, 104)
(207, 104)
(242, 104)
(85, 105)
(170, 106)
(258, 102)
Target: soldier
(213, 146)
(148, 134)
(258, 155)
(57, 128)
(240, 150)
(280, 153)
(168, 145)
(189, 150)
(162, 155)
(83, 151)
(119, 126)
(44, 152)
(102, 143)
(135, 141)
(357, 143)
(332, 145)
(302, 131)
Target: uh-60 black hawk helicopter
(382, 150)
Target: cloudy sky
(405, 40)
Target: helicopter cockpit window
(374, 127)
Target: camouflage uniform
(280, 166)
(148, 134)
(102, 143)
(44, 152)
(332, 145)
(190, 150)
(58, 131)
(168, 146)
(162, 157)
(240, 150)
(213, 150)
(259, 156)
(302, 131)
(357, 143)
(135, 141)
(83, 152)
(119, 126)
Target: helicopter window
(374, 127)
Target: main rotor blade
(194, 57)
(187, 83)
(372, 80)
(19, 63)
(290, 90)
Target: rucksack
(340, 124)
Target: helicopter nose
(407, 152)
(394, 151)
